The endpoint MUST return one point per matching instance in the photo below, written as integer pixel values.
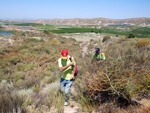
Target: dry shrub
(123, 37)
(106, 38)
(54, 42)
(124, 74)
(143, 82)
(2, 57)
(11, 103)
(112, 108)
(143, 43)
(30, 81)
(106, 108)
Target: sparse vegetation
(29, 75)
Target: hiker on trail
(67, 66)
(98, 56)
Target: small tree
(46, 32)
(131, 35)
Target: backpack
(76, 70)
(101, 54)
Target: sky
(65, 9)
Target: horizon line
(25, 19)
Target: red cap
(64, 53)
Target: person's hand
(72, 76)
(70, 64)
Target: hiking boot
(66, 104)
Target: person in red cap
(67, 67)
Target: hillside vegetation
(29, 74)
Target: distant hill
(93, 21)
(96, 21)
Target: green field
(74, 30)
(27, 24)
(141, 32)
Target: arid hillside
(96, 21)
(87, 21)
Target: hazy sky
(51, 9)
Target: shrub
(23, 51)
(11, 102)
(46, 32)
(143, 42)
(62, 42)
(14, 60)
(25, 67)
(91, 40)
(36, 88)
(54, 42)
(26, 95)
(119, 78)
(2, 57)
(18, 75)
(73, 39)
(19, 83)
(35, 40)
(30, 81)
(106, 38)
(132, 35)
(47, 51)
(50, 79)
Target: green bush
(47, 51)
(25, 67)
(46, 32)
(23, 51)
(132, 35)
(17, 76)
(19, 83)
(35, 40)
(62, 42)
(14, 60)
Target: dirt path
(70, 109)
(73, 105)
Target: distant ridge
(96, 21)
(93, 21)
